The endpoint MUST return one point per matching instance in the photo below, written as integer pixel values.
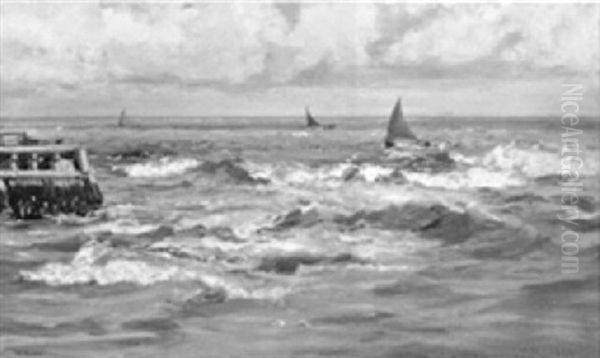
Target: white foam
(115, 271)
(463, 159)
(121, 226)
(531, 162)
(300, 134)
(300, 174)
(99, 264)
(118, 210)
(220, 245)
(475, 177)
(504, 166)
(372, 173)
(294, 173)
(381, 267)
(164, 167)
(237, 292)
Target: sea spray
(161, 168)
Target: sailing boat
(398, 129)
(310, 120)
(409, 150)
(122, 118)
(404, 151)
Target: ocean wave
(161, 168)
(301, 134)
(505, 165)
(220, 292)
(475, 177)
(433, 221)
(531, 162)
(505, 242)
(100, 264)
(231, 170)
(334, 174)
(288, 264)
(121, 226)
(304, 217)
(142, 151)
(293, 173)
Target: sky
(270, 58)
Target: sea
(246, 237)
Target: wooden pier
(42, 179)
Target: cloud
(333, 34)
(111, 47)
(223, 43)
(529, 38)
(54, 43)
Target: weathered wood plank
(40, 174)
(61, 148)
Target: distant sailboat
(310, 120)
(397, 127)
(122, 118)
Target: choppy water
(241, 237)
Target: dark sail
(122, 118)
(397, 126)
(311, 121)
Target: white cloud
(65, 48)
(49, 44)
(539, 36)
(459, 34)
(336, 34)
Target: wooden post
(55, 159)
(14, 161)
(34, 161)
(84, 164)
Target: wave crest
(161, 168)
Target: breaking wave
(503, 166)
(231, 170)
(475, 177)
(226, 169)
(434, 221)
(297, 174)
(289, 264)
(161, 168)
(99, 264)
(531, 162)
(476, 233)
(142, 151)
(121, 226)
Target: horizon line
(592, 115)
